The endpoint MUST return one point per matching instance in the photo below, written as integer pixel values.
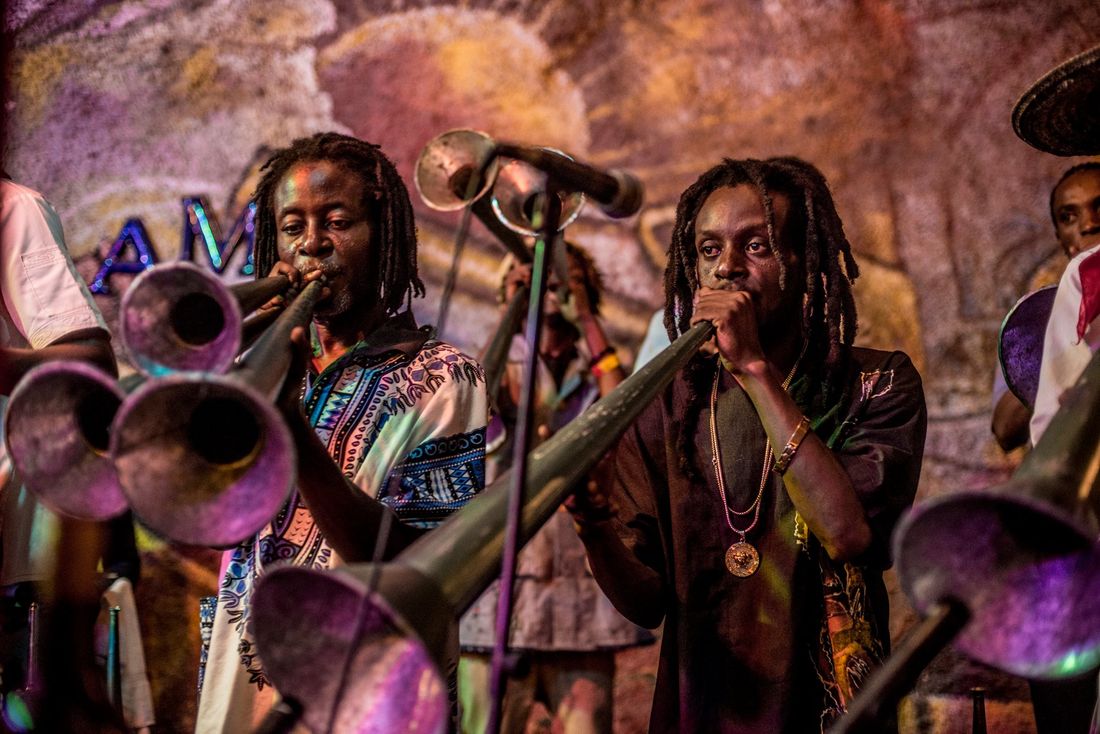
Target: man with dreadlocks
(751, 504)
(388, 423)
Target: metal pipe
(496, 354)
(546, 218)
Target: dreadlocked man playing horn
(750, 506)
(385, 420)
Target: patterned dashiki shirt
(404, 418)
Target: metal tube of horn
(1021, 556)
(406, 610)
(496, 355)
(207, 459)
(178, 317)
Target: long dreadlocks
(385, 195)
(813, 230)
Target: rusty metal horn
(1022, 556)
(207, 459)
(178, 317)
(57, 432)
(391, 623)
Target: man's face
(732, 251)
(1077, 212)
(323, 224)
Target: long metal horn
(57, 432)
(178, 317)
(1022, 556)
(496, 354)
(207, 459)
(386, 627)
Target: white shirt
(42, 298)
(1065, 356)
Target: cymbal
(1060, 113)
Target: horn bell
(392, 682)
(515, 193)
(1029, 575)
(178, 317)
(447, 163)
(57, 432)
(1022, 556)
(203, 459)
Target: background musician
(1075, 212)
(46, 313)
(563, 627)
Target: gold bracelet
(787, 455)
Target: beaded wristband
(787, 455)
(608, 350)
(606, 365)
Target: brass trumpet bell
(446, 165)
(382, 675)
(448, 162)
(207, 459)
(57, 432)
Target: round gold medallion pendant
(742, 559)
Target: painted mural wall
(122, 109)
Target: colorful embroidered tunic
(404, 419)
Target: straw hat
(1060, 113)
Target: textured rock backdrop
(122, 108)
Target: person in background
(564, 630)
(1075, 212)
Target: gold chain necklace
(742, 558)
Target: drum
(1021, 343)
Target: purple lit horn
(1023, 556)
(56, 430)
(206, 459)
(180, 318)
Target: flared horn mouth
(1028, 572)
(380, 674)
(203, 460)
(177, 318)
(57, 431)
